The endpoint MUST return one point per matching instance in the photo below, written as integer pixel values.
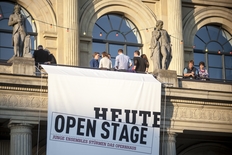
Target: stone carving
(23, 101)
(160, 47)
(21, 41)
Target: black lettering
(98, 115)
(124, 134)
(114, 115)
(145, 114)
(91, 128)
(156, 119)
(106, 136)
(143, 135)
(134, 112)
(71, 122)
(80, 126)
(134, 137)
(61, 118)
(115, 130)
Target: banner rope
(40, 96)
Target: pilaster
(175, 30)
(4, 147)
(20, 139)
(71, 36)
(168, 143)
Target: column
(168, 143)
(20, 139)
(4, 147)
(71, 35)
(175, 30)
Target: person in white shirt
(122, 61)
(105, 62)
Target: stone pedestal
(167, 77)
(22, 65)
(20, 139)
(168, 143)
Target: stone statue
(160, 47)
(17, 20)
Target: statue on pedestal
(17, 20)
(160, 47)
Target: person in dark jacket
(41, 56)
(52, 59)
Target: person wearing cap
(41, 56)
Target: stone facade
(196, 116)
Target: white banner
(102, 112)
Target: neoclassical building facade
(196, 115)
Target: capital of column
(170, 137)
(20, 128)
(168, 143)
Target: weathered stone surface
(167, 77)
(22, 65)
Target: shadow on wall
(86, 15)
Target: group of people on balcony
(122, 62)
(193, 73)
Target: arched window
(213, 46)
(112, 32)
(6, 48)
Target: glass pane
(202, 33)
(131, 50)
(116, 37)
(214, 47)
(7, 9)
(104, 23)
(213, 32)
(98, 33)
(198, 57)
(126, 26)
(228, 74)
(113, 50)
(199, 44)
(6, 39)
(228, 46)
(132, 37)
(215, 60)
(223, 37)
(215, 73)
(115, 21)
(4, 25)
(228, 62)
(98, 47)
(6, 53)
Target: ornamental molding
(20, 101)
(202, 114)
(196, 102)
